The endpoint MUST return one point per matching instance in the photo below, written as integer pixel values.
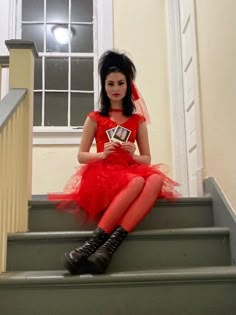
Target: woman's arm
(90, 127)
(143, 145)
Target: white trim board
(179, 150)
(187, 165)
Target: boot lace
(91, 245)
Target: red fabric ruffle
(95, 184)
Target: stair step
(142, 250)
(185, 291)
(183, 213)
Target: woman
(115, 182)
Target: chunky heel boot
(99, 261)
(76, 260)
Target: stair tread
(204, 231)
(214, 273)
(41, 200)
(182, 213)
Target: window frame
(103, 40)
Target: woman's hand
(129, 147)
(109, 147)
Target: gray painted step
(141, 250)
(185, 212)
(200, 291)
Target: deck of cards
(118, 134)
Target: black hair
(113, 61)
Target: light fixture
(62, 34)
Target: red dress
(95, 184)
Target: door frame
(176, 88)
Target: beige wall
(52, 167)
(140, 30)
(216, 29)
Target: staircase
(175, 263)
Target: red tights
(132, 204)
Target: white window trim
(56, 136)
(103, 41)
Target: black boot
(76, 260)
(99, 261)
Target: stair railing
(16, 123)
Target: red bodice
(105, 123)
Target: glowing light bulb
(62, 34)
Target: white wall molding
(4, 26)
(104, 36)
(105, 25)
(179, 149)
(13, 18)
(198, 112)
(8, 16)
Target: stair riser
(161, 217)
(134, 253)
(152, 299)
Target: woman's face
(116, 86)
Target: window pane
(32, 10)
(82, 10)
(57, 38)
(57, 11)
(38, 74)
(82, 74)
(56, 73)
(37, 109)
(34, 33)
(82, 40)
(81, 105)
(56, 105)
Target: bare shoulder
(89, 125)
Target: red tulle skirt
(95, 184)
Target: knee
(156, 179)
(138, 182)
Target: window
(68, 38)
